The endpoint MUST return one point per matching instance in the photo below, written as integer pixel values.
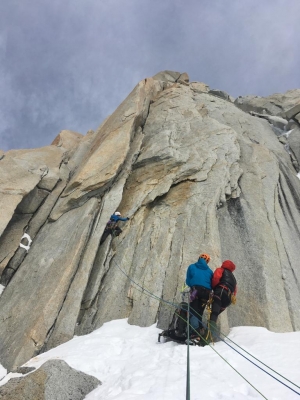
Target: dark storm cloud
(67, 65)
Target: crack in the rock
(26, 229)
(286, 288)
(34, 342)
(53, 326)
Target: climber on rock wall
(112, 227)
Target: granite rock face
(277, 104)
(53, 380)
(194, 173)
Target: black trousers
(198, 305)
(222, 300)
(110, 231)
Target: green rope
(204, 339)
(225, 336)
(145, 290)
(251, 355)
(188, 356)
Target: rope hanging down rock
(147, 292)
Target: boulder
(199, 87)
(169, 76)
(53, 380)
(184, 78)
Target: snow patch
(132, 365)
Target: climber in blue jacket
(117, 217)
(112, 227)
(198, 278)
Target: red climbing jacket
(218, 275)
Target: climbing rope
(188, 355)
(170, 304)
(209, 338)
(218, 335)
(257, 360)
(206, 339)
(144, 291)
(230, 364)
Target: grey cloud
(67, 65)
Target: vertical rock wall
(194, 173)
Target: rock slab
(54, 380)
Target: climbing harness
(209, 336)
(170, 304)
(233, 298)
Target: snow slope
(132, 365)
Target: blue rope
(261, 368)
(176, 306)
(213, 350)
(253, 361)
(257, 359)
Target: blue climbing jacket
(199, 274)
(116, 218)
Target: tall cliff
(195, 170)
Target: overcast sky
(67, 64)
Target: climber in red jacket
(225, 289)
(224, 286)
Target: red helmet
(205, 256)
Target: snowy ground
(132, 365)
